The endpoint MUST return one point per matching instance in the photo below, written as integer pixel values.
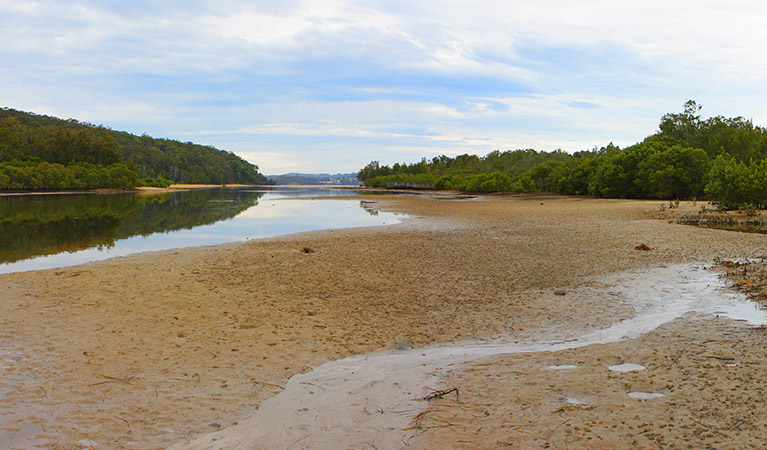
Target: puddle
(645, 395)
(750, 312)
(563, 367)
(626, 367)
(370, 400)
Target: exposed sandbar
(152, 349)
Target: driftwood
(440, 394)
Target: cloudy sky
(329, 85)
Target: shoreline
(136, 190)
(175, 341)
(174, 239)
(336, 397)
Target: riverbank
(158, 348)
(139, 189)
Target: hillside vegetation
(42, 152)
(721, 159)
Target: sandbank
(156, 349)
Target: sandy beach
(156, 349)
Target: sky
(330, 85)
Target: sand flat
(159, 348)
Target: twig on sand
(556, 427)
(516, 428)
(440, 394)
(564, 408)
(444, 423)
(296, 442)
(262, 383)
(114, 380)
(315, 385)
(417, 420)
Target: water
(626, 367)
(50, 231)
(645, 395)
(758, 229)
(750, 312)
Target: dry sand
(158, 348)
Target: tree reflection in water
(37, 225)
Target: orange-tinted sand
(158, 348)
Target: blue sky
(329, 85)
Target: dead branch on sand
(440, 394)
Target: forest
(39, 152)
(720, 159)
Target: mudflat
(155, 349)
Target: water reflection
(61, 230)
(369, 207)
(43, 225)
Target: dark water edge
(43, 225)
(741, 223)
(739, 229)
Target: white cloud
(331, 84)
(263, 29)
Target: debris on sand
(402, 346)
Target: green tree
(673, 173)
(685, 126)
(730, 183)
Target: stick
(440, 394)
(114, 380)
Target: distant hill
(338, 179)
(32, 143)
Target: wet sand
(159, 348)
(711, 375)
(380, 400)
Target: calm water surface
(49, 231)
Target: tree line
(42, 152)
(720, 159)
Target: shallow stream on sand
(371, 400)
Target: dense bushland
(722, 159)
(42, 152)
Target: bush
(41, 175)
(676, 172)
(160, 182)
(732, 184)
